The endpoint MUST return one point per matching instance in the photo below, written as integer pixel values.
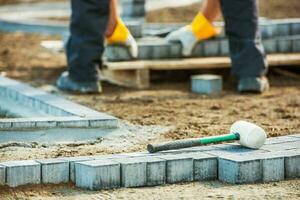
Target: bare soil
(169, 103)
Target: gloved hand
(190, 35)
(122, 36)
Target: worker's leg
(247, 52)
(86, 43)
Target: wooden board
(136, 74)
(199, 63)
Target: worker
(247, 54)
(92, 23)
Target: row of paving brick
(67, 113)
(279, 159)
(156, 48)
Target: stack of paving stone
(279, 36)
(277, 160)
(133, 9)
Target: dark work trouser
(86, 42)
(246, 50)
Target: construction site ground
(168, 103)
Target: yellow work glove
(200, 29)
(122, 36)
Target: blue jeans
(85, 45)
(246, 51)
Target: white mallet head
(251, 135)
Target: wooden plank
(138, 78)
(199, 63)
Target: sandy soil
(167, 103)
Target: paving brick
(268, 30)
(73, 122)
(156, 170)
(296, 46)
(54, 171)
(284, 45)
(98, 174)
(282, 139)
(205, 166)
(212, 48)
(282, 146)
(198, 50)
(273, 168)
(72, 161)
(133, 172)
(283, 29)
(206, 84)
(5, 124)
(22, 173)
(224, 48)
(270, 45)
(46, 124)
(292, 163)
(22, 123)
(179, 168)
(104, 123)
(236, 169)
(2, 175)
(117, 53)
(295, 28)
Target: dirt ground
(168, 103)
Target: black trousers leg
(86, 42)
(246, 50)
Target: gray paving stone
(206, 84)
(179, 168)
(73, 122)
(54, 171)
(224, 48)
(292, 164)
(198, 51)
(205, 166)
(282, 146)
(273, 168)
(282, 139)
(4, 124)
(98, 174)
(236, 169)
(270, 45)
(117, 53)
(22, 173)
(212, 48)
(296, 45)
(22, 123)
(295, 28)
(133, 172)
(156, 170)
(72, 161)
(283, 29)
(2, 175)
(268, 30)
(284, 45)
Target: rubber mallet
(246, 133)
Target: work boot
(65, 83)
(122, 36)
(200, 29)
(253, 84)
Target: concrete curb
(56, 111)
